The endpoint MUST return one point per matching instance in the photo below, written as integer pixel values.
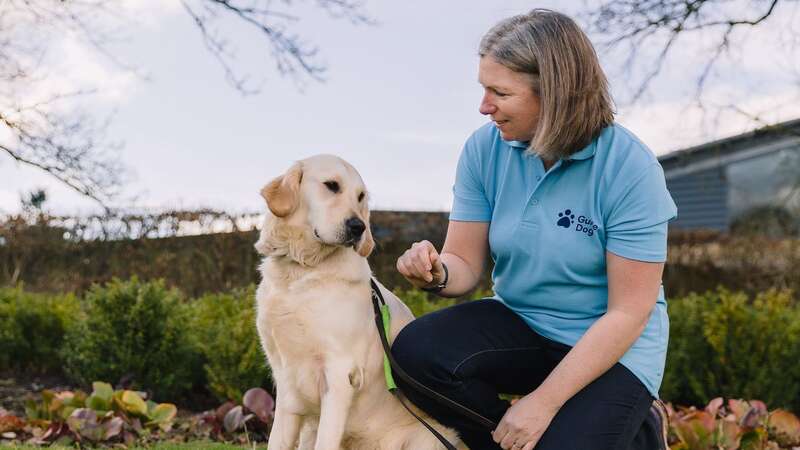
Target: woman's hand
(524, 423)
(421, 265)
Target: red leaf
(11, 423)
(260, 403)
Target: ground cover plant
(127, 418)
(729, 344)
(722, 343)
(733, 425)
(197, 445)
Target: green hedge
(722, 343)
(32, 328)
(726, 344)
(134, 331)
(224, 332)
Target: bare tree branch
(43, 129)
(661, 23)
(69, 147)
(292, 57)
(49, 132)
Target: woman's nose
(486, 106)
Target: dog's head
(319, 203)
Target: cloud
(75, 62)
(151, 12)
(82, 68)
(9, 201)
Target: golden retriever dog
(315, 317)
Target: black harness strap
(377, 301)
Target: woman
(574, 210)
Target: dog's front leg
(336, 400)
(286, 427)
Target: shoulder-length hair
(565, 73)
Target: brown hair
(565, 73)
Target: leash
(383, 321)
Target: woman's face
(508, 99)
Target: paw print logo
(566, 219)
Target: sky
(400, 98)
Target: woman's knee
(424, 349)
(410, 348)
(435, 345)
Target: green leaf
(103, 391)
(98, 403)
(151, 405)
(66, 412)
(163, 415)
(751, 440)
(164, 412)
(134, 403)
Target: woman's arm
(464, 252)
(632, 293)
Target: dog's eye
(361, 196)
(332, 186)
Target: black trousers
(473, 351)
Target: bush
(134, 331)
(723, 344)
(224, 332)
(752, 264)
(421, 302)
(32, 328)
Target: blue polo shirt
(550, 231)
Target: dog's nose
(355, 227)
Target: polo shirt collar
(518, 144)
(585, 153)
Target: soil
(15, 388)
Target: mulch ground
(15, 388)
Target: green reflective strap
(387, 369)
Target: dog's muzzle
(354, 229)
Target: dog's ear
(283, 193)
(367, 243)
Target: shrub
(421, 302)
(224, 332)
(723, 344)
(32, 328)
(135, 331)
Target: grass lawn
(188, 446)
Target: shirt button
(535, 202)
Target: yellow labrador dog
(315, 317)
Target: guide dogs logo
(566, 219)
(585, 225)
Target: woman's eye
(332, 186)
